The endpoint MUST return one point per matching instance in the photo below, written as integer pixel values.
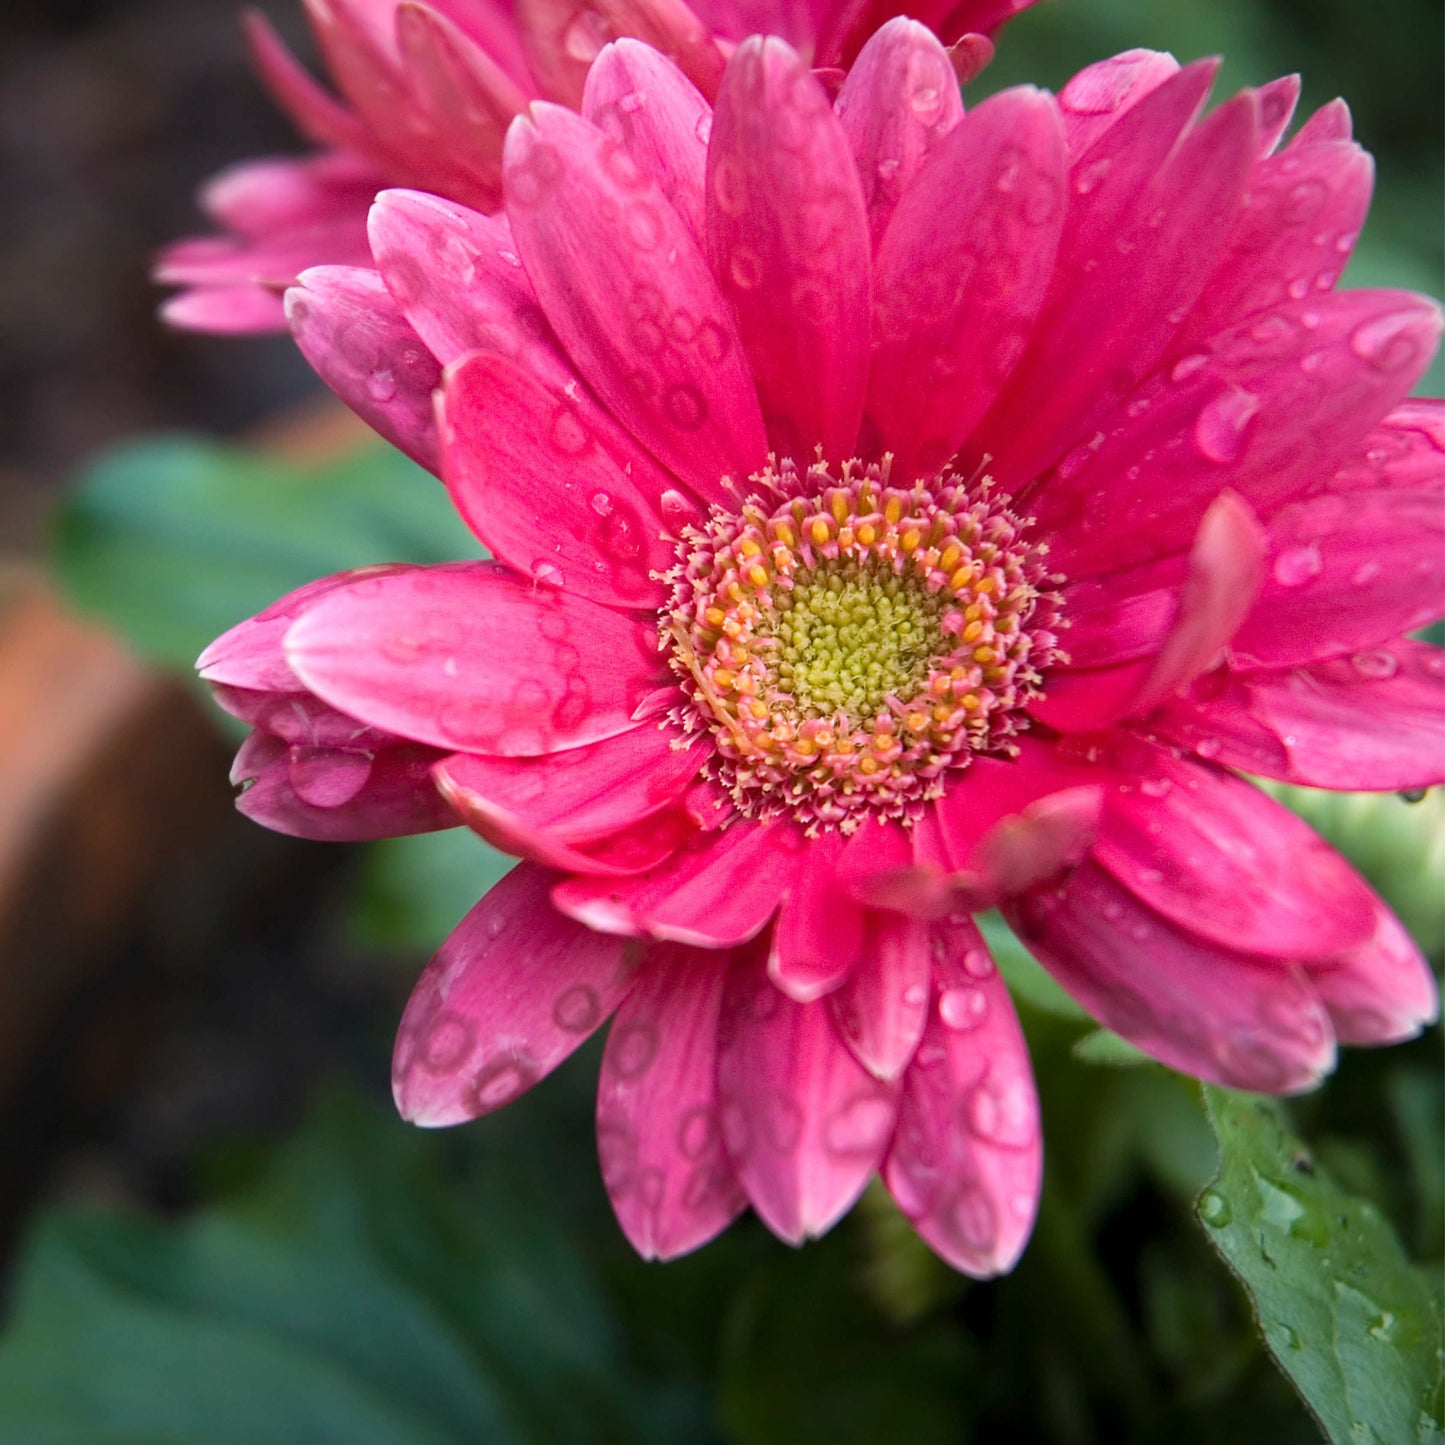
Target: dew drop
(962, 1009)
(860, 1127)
(978, 964)
(1089, 177)
(601, 503)
(1297, 565)
(1208, 747)
(549, 574)
(1156, 787)
(1378, 666)
(1366, 573)
(381, 385)
(1385, 342)
(1220, 428)
(1214, 1209)
(1003, 1116)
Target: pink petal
(966, 1162)
(1029, 847)
(1100, 95)
(804, 1124)
(338, 796)
(587, 793)
(1406, 451)
(718, 891)
(319, 116)
(350, 330)
(1277, 101)
(1226, 862)
(257, 198)
(1380, 992)
(458, 280)
(644, 104)
(1346, 574)
(962, 272)
(880, 1010)
(297, 717)
(269, 262)
(555, 487)
(899, 100)
(561, 41)
(1331, 122)
(1292, 237)
(788, 241)
(621, 279)
(1142, 236)
(469, 98)
(659, 1130)
(514, 990)
(1269, 408)
(1373, 722)
(469, 657)
(819, 933)
(226, 310)
(1224, 1017)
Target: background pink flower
(428, 90)
(1060, 393)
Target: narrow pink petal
(562, 41)
(251, 654)
(1268, 408)
(255, 198)
(318, 115)
(1125, 615)
(1225, 1017)
(1346, 574)
(1100, 95)
(1406, 451)
(899, 100)
(338, 796)
(1372, 722)
(1277, 101)
(242, 310)
(469, 98)
(625, 287)
(880, 1010)
(583, 794)
(513, 991)
(788, 240)
(966, 1163)
(962, 272)
(646, 105)
(819, 933)
(804, 1123)
(555, 487)
(1292, 237)
(1223, 860)
(1330, 122)
(350, 330)
(719, 890)
(458, 280)
(1029, 847)
(469, 657)
(659, 1127)
(297, 717)
(269, 262)
(1141, 239)
(1382, 991)
(1226, 570)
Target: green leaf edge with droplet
(1351, 1322)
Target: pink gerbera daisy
(429, 88)
(896, 513)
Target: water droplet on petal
(1156, 787)
(1003, 1115)
(381, 384)
(1376, 665)
(1385, 342)
(860, 1127)
(1220, 428)
(547, 573)
(1297, 565)
(962, 1008)
(601, 503)
(978, 964)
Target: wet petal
(1382, 991)
(880, 1010)
(1100, 95)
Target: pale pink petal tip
(1381, 992)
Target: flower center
(848, 643)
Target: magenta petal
(966, 1162)
(1223, 860)
(1330, 122)
(1373, 722)
(338, 795)
(318, 116)
(804, 1124)
(719, 891)
(961, 274)
(349, 329)
(880, 1010)
(819, 933)
(468, 657)
(297, 717)
(1405, 452)
(1277, 101)
(1225, 1017)
(1142, 235)
(666, 135)
(1100, 95)
(1346, 574)
(899, 100)
(1030, 847)
(241, 310)
(659, 1129)
(624, 285)
(555, 487)
(456, 277)
(1381, 991)
(513, 991)
(788, 240)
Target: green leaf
(355, 1293)
(1106, 1047)
(174, 539)
(1352, 1323)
